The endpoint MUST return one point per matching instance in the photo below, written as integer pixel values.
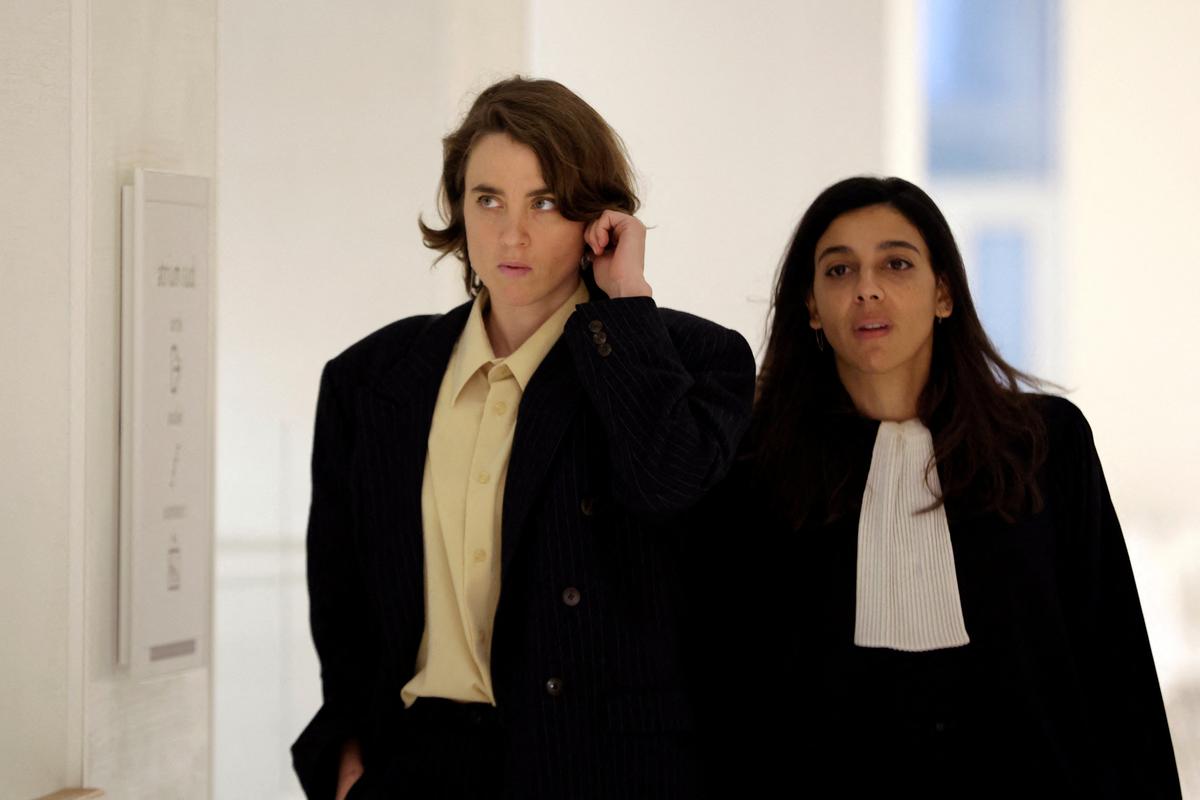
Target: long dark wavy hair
(988, 439)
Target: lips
(514, 268)
(870, 329)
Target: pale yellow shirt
(462, 497)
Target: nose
(868, 287)
(515, 232)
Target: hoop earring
(820, 339)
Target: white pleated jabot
(907, 596)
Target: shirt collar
(474, 349)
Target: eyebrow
(886, 245)
(483, 188)
(889, 244)
(837, 248)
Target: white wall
(86, 92)
(735, 118)
(35, 336)
(1131, 201)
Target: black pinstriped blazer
(634, 413)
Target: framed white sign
(166, 424)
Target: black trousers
(445, 749)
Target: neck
(894, 396)
(508, 327)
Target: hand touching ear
(617, 242)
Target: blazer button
(595, 326)
(570, 596)
(587, 505)
(600, 338)
(604, 349)
(554, 687)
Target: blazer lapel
(396, 412)
(547, 407)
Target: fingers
(596, 234)
(607, 228)
(618, 248)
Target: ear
(814, 319)
(943, 303)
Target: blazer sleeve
(674, 401)
(339, 612)
(1109, 633)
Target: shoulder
(1063, 420)
(1070, 448)
(377, 351)
(382, 350)
(690, 332)
(682, 321)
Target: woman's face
(525, 252)
(875, 295)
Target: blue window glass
(991, 81)
(1001, 259)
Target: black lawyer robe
(1056, 694)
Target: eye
(898, 264)
(545, 204)
(837, 270)
(488, 201)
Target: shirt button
(604, 349)
(483, 637)
(480, 556)
(483, 477)
(595, 326)
(570, 596)
(499, 408)
(587, 505)
(554, 687)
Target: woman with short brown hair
(582, 159)
(494, 587)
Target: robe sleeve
(1113, 656)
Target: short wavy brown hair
(583, 160)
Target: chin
(872, 364)
(515, 296)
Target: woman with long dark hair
(935, 595)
